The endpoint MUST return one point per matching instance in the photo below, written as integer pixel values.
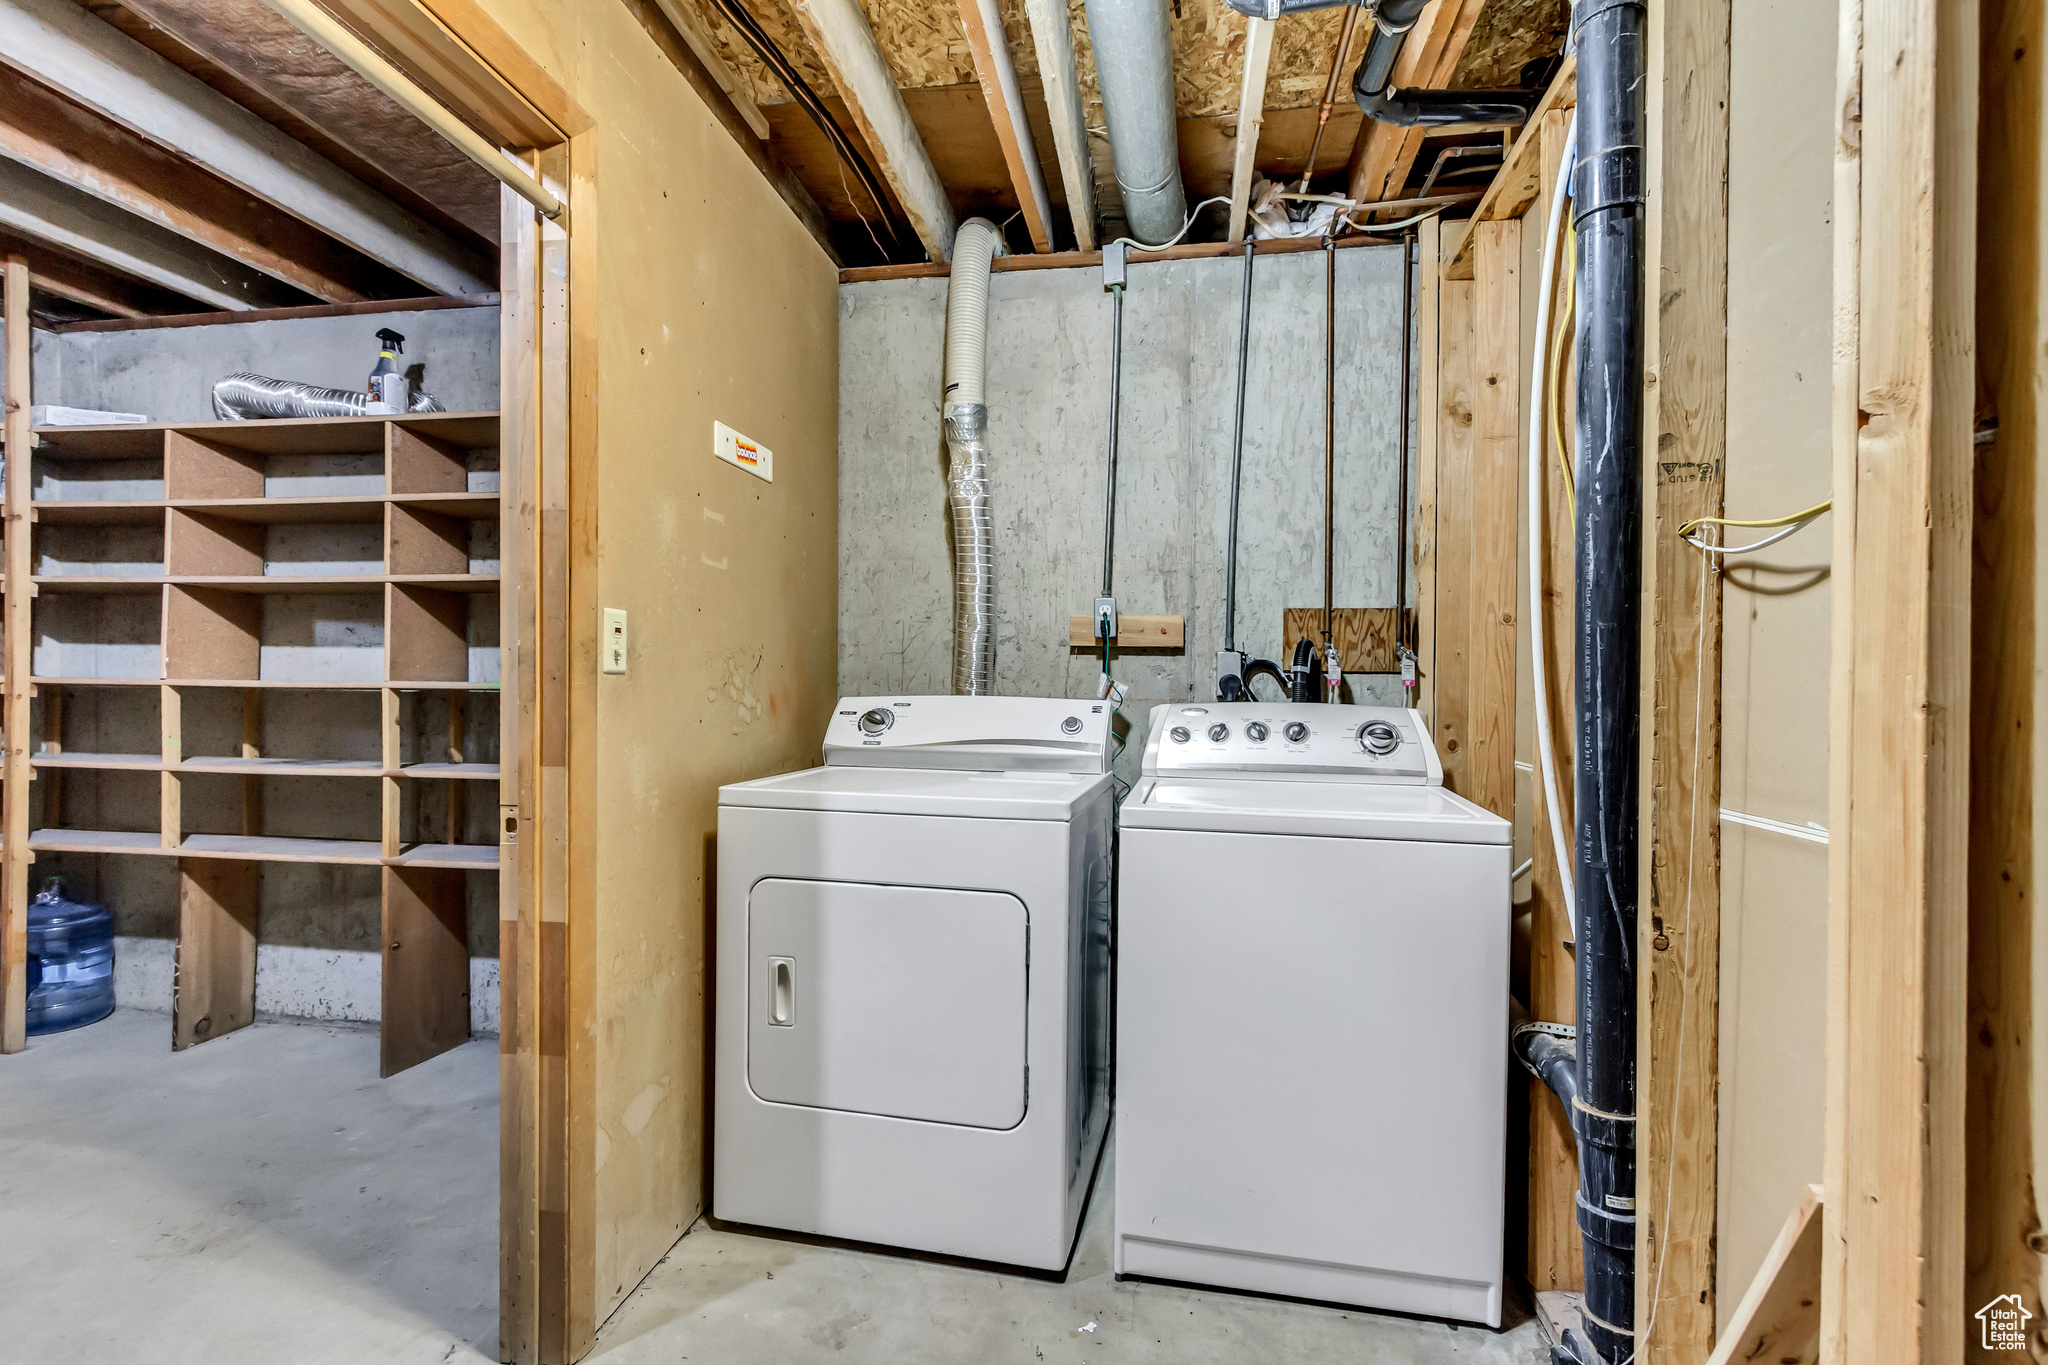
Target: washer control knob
(1071, 725)
(1257, 732)
(1179, 734)
(1218, 732)
(875, 721)
(1378, 738)
(1296, 732)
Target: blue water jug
(70, 961)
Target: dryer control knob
(1071, 725)
(875, 721)
(1218, 732)
(1257, 732)
(1378, 738)
(1296, 732)
(1179, 734)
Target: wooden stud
(2008, 988)
(458, 744)
(1555, 1261)
(1251, 116)
(215, 983)
(1679, 935)
(51, 780)
(1496, 457)
(982, 22)
(1454, 531)
(1893, 1251)
(1428, 423)
(426, 966)
(14, 621)
(393, 744)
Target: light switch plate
(614, 640)
(736, 449)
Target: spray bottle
(389, 391)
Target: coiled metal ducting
(254, 397)
(967, 484)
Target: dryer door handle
(782, 991)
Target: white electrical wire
(1792, 530)
(1175, 239)
(1544, 747)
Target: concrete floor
(265, 1197)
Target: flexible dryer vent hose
(254, 397)
(967, 487)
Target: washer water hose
(965, 410)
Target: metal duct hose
(1134, 58)
(254, 397)
(967, 489)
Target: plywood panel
(197, 544)
(211, 632)
(426, 966)
(1364, 636)
(199, 469)
(424, 635)
(215, 986)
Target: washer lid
(1346, 810)
(914, 791)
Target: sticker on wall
(736, 449)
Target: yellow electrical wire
(1555, 379)
(1808, 515)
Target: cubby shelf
(352, 558)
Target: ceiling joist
(1052, 38)
(59, 44)
(1384, 152)
(38, 207)
(701, 46)
(983, 23)
(838, 30)
(49, 134)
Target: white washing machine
(1312, 1013)
(913, 979)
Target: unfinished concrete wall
(1048, 399)
(167, 373)
(1774, 681)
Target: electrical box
(614, 644)
(742, 453)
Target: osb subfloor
(265, 1197)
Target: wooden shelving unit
(330, 582)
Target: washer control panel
(1266, 739)
(972, 734)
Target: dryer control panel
(1267, 739)
(973, 734)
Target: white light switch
(614, 640)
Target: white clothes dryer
(1312, 1013)
(912, 1040)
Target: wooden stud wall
(1679, 928)
(1905, 224)
(14, 687)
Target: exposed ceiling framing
(167, 156)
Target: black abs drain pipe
(1609, 208)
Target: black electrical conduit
(772, 57)
(1609, 217)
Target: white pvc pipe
(1538, 470)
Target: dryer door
(905, 1001)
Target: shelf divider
(214, 989)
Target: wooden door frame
(547, 406)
